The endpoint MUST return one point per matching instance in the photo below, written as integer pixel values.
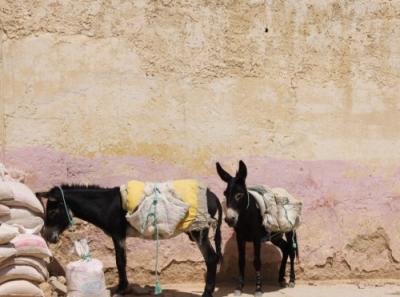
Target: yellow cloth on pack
(135, 191)
(187, 191)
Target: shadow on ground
(228, 288)
(148, 291)
(228, 273)
(270, 259)
(221, 291)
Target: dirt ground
(310, 289)
(349, 288)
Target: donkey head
(56, 218)
(235, 193)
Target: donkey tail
(217, 236)
(297, 247)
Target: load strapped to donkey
(167, 208)
(164, 210)
(281, 212)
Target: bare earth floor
(301, 290)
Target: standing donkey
(103, 208)
(244, 216)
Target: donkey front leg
(210, 257)
(241, 243)
(257, 266)
(120, 257)
(292, 253)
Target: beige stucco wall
(321, 84)
(101, 91)
(2, 102)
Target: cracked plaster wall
(103, 91)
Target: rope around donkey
(153, 214)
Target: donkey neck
(251, 210)
(89, 204)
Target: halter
(70, 219)
(248, 199)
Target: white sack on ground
(23, 197)
(7, 233)
(20, 288)
(16, 213)
(7, 251)
(85, 277)
(28, 225)
(4, 211)
(6, 192)
(31, 245)
(39, 264)
(25, 272)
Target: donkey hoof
(237, 293)
(258, 294)
(282, 284)
(121, 289)
(291, 284)
(119, 294)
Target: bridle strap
(70, 219)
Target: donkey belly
(249, 232)
(132, 232)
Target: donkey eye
(238, 196)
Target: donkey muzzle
(231, 217)
(51, 235)
(230, 221)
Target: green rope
(82, 249)
(294, 239)
(157, 288)
(294, 244)
(70, 220)
(86, 258)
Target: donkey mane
(80, 187)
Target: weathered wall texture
(104, 91)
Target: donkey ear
(42, 194)
(242, 173)
(52, 199)
(225, 176)
(45, 195)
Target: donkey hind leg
(120, 256)
(292, 251)
(210, 257)
(241, 244)
(257, 266)
(284, 247)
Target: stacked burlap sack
(23, 252)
